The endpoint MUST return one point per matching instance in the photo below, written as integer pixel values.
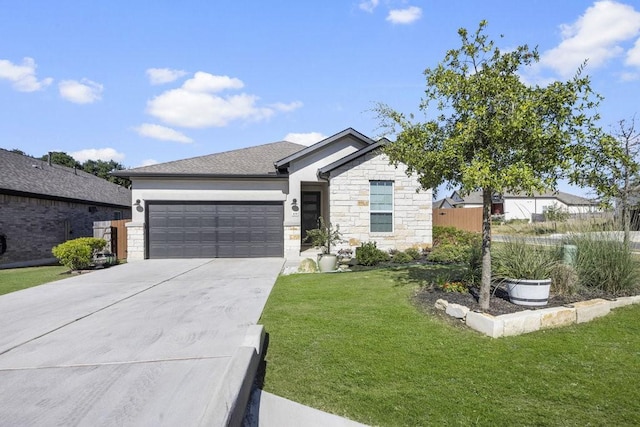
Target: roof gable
(252, 161)
(24, 174)
(328, 168)
(365, 140)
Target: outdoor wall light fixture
(294, 205)
(138, 205)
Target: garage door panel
(215, 229)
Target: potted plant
(323, 238)
(526, 271)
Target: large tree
(491, 131)
(103, 169)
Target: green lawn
(14, 279)
(354, 345)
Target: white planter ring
(528, 292)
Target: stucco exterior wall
(305, 171)
(34, 226)
(349, 204)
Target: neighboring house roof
(445, 203)
(24, 175)
(252, 161)
(283, 162)
(475, 197)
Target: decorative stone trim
(527, 321)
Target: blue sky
(146, 81)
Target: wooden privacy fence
(119, 237)
(469, 219)
(115, 233)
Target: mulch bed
(499, 303)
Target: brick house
(43, 205)
(261, 201)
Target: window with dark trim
(381, 206)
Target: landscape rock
(307, 266)
(557, 316)
(456, 310)
(589, 310)
(441, 304)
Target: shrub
(452, 235)
(607, 265)
(474, 262)
(77, 254)
(402, 258)
(458, 287)
(564, 280)
(413, 253)
(449, 253)
(369, 254)
(516, 259)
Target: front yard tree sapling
(491, 131)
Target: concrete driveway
(142, 344)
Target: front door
(310, 212)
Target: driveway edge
(229, 403)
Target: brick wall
(349, 204)
(34, 226)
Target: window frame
(389, 211)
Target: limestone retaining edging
(533, 320)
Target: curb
(229, 403)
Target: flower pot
(528, 292)
(327, 262)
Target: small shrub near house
(401, 258)
(414, 253)
(451, 245)
(368, 254)
(78, 253)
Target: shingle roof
(251, 161)
(23, 174)
(475, 197)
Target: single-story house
(521, 205)
(260, 201)
(43, 205)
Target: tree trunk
(625, 205)
(485, 284)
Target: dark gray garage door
(215, 230)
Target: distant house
(521, 205)
(43, 205)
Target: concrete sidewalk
(145, 343)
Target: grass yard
(14, 279)
(354, 345)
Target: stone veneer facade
(33, 226)
(349, 204)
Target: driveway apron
(139, 344)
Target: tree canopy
(99, 168)
(488, 130)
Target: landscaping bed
(426, 298)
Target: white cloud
(404, 16)
(197, 104)
(595, 36)
(105, 154)
(287, 108)
(80, 92)
(158, 76)
(633, 55)
(162, 132)
(205, 82)
(23, 77)
(148, 162)
(368, 5)
(307, 139)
